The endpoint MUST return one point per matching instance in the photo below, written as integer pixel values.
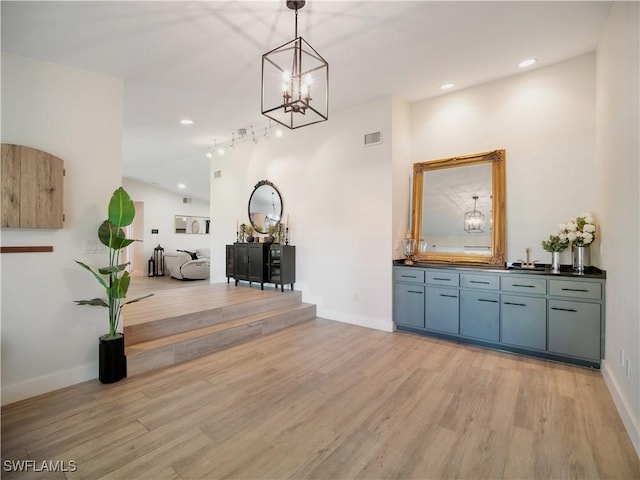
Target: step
(170, 350)
(162, 323)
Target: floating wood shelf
(45, 248)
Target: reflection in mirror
(450, 213)
(265, 206)
(189, 224)
(458, 209)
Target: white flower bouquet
(580, 231)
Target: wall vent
(186, 200)
(374, 138)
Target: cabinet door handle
(408, 276)
(565, 309)
(575, 290)
(485, 300)
(442, 279)
(525, 286)
(414, 291)
(448, 296)
(476, 281)
(516, 304)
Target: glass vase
(578, 259)
(409, 246)
(555, 262)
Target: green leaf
(138, 299)
(112, 236)
(114, 269)
(96, 302)
(120, 286)
(121, 208)
(123, 284)
(99, 277)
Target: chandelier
(295, 81)
(474, 220)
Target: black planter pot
(112, 365)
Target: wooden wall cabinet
(32, 188)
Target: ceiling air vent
(374, 138)
(186, 200)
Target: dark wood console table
(261, 263)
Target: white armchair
(183, 266)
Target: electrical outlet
(621, 357)
(628, 368)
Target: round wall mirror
(265, 206)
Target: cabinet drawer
(480, 315)
(442, 278)
(568, 288)
(523, 321)
(485, 282)
(442, 309)
(408, 274)
(524, 285)
(408, 305)
(574, 329)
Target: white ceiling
(202, 60)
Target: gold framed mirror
(458, 209)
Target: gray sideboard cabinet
(554, 316)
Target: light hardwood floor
(332, 401)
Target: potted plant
(555, 245)
(242, 233)
(271, 230)
(581, 232)
(249, 231)
(115, 279)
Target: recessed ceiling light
(447, 86)
(527, 63)
(182, 186)
(186, 121)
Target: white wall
(337, 195)
(47, 341)
(545, 119)
(402, 174)
(618, 154)
(160, 207)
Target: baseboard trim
(48, 383)
(368, 322)
(630, 421)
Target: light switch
(92, 246)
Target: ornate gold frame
(498, 241)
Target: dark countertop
(512, 267)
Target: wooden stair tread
(199, 332)
(188, 300)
